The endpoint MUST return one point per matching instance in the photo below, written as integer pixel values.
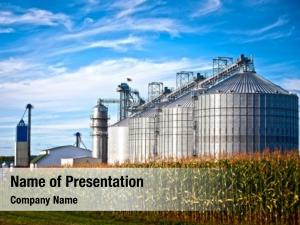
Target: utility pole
(29, 107)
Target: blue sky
(61, 56)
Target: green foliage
(252, 189)
(256, 188)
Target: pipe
(29, 107)
(78, 139)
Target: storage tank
(98, 125)
(21, 151)
(142, 142)
(176, 133)
(244, 114)
(118, 142)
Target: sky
(61, 56)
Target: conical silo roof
(121, 123)
(184, 101)
(247, 82)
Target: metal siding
(246, 123)
(141, 138)
(118, 144)
(99, 132)
(21, 154)
(176, 132)
(21, 148)
(245, 117)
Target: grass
(81, 218)
(59, 218)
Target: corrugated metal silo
(21, 151)
(246, 113)
(176, 133)
(118, 135)
(142, 144)
(99, 132)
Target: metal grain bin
(21, 150)
(247, 114)
(142, 136)
(118, 135)
(98, 126)
(176, 134)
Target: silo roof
(121, 123)
(150, 112)
(247, 82)
(147, 113)
(183, 101)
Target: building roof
(45, 152)
(247, 82)
(65, 146)
(147, 113)
(121, 123)
(184, 101)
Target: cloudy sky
(61, 56)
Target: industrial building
(233, 111)
(63, 155)
(55, 156)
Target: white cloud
(35, 16)
(17, 69)
(278, 23)
(67, 124)
(6, 30)
(62, 102)
(281, 21)
(11, 66)
(292, 84)
(259, 2)
(275, 30)
(90, 6)
(117, 44)
(128, 7)
(270, 36)
(81, 89)
(207, 7)
(167, 25)
(88, 20)
(92, 2)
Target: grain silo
(99, 132)
(233, 111)
(244, 114)
(142, 135)
(176, 133)
(118, 141)
(22, 156)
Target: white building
(69, 162)
(53, 156)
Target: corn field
(261, 188)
